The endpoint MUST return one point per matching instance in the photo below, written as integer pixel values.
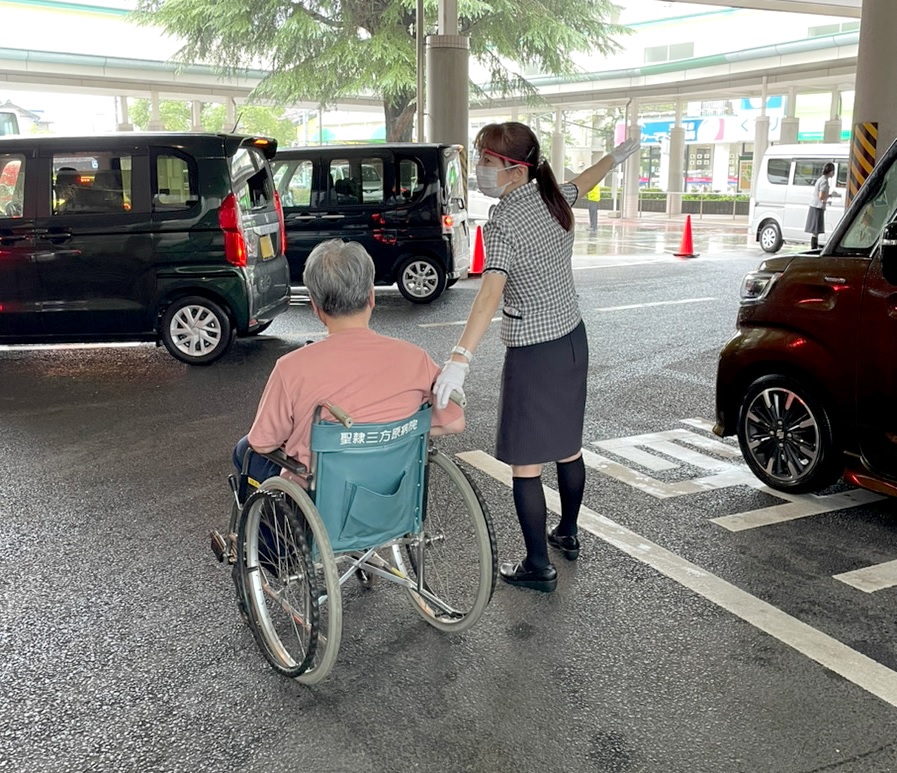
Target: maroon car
(809, 381)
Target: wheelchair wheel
(326, 577)
(278, 584)
(454, 554)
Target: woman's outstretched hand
(624, 150)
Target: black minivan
(404, 202)
(177, 238)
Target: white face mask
(487, 181)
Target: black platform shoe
(569, 546)
(545, 579)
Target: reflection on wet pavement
(647, 239)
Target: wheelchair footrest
(219, 545)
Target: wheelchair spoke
(451, 563)
(278, 582)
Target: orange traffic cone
(478, 259)
(686, 250)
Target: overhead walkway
(822, 64)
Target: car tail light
(283, 226)
(229, 220)
(447, 223)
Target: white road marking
(41, 347)
(654, 303)
(655, 452)
(871, 578)
(450, 324)
(599, 308)
(797, 506)
(703, 424)
(857, 668)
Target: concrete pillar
(790, 131)
(790, 123)
(156, 123)
(876, 87)
(447, 78)
(558, 146)
(124, 124)
(719, 177)
(761, 143)
(631, 167)
(832, 130)
(676, 168)
(196, 116)
(597, 141)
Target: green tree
(251, 119)
(175, 115)
(323, 50)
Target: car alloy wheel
(786, 436)
(421, 280)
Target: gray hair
(339, 277)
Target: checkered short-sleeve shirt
(523, 241)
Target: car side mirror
(888, 252)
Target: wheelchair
(381, 503)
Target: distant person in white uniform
(821, 194)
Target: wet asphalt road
(123, 649)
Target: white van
(785, 181)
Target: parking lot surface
(707, 626)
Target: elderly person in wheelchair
(371, 377)
(338, 478)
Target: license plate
(266, 247)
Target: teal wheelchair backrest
(369, 479)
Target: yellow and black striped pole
(862, 156)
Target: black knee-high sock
(571, 484)
(529, 500)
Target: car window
(808, 171)
(174, 183)
(91, 184)
(293, 179)
(355, 181)
(411, 179)
(454, 195)
(252, 182)
(841, 174)
(12, 185)
(778, 171)
(866, 227)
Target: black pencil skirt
(543, 400)
(815, 221)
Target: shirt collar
(518, 193)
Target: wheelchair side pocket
(375, 516)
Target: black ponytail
(551, 194)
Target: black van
(177, 238)
(404, 202)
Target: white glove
(450, 378)
(624, 150)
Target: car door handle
(332, 217)
(56, 237)
(835, 280)
(9, 238)
(303, 218)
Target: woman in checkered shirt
(529, 248)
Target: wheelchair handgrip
(458, 398)
(339, 414)
(279, 457)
